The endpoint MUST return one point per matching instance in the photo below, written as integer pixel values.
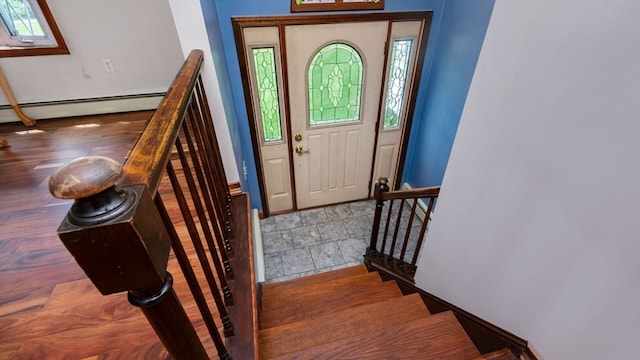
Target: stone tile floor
(312, 241)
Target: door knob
(298, 137)
(300, 149)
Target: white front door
(335, 76)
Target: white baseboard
(81, 107)
(422, 207)
(258, 252)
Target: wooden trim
(426, 192)
(264, 21)
(60, 49)
(246, 87)
(244, 344)
(284, 67)
(150, 155)
(239, 23)
(235, 188)
(381, 106)
(531, 353)
(411, 106)
(486, 336)
(338, 5)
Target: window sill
(15, 51)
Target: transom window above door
(335, 85)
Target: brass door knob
(298, 137)
(300, 150)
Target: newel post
(118, 238)
(380, 188)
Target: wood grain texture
(244, 345)
(296, 336)
(146, 163)
(433, 337)
(46, 301)
(503, 354)
(291, 296)
(274, 288)
(318, 304)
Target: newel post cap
(84, 177)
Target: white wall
(189, 22)
(537, 228)
(145, 52)
(145, 46)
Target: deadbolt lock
(298, 137)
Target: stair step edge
(438, 336)
(292, 337)
(290, 294)
(267, 289)
(315, 307)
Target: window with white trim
(28, 28)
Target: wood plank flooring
(48, 308)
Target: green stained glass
(267, 85)
(335, 85)
(397, 83)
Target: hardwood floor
(48, 308)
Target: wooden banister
(117, 236)
(425, 192)
(150, 155)
(400, 239)
(120, 232)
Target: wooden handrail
(119, 230)
(403, 240)
(418, 193)
(150, 155)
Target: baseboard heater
(422, 207)
(82, 107)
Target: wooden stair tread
(339, 300)
(502, 354)
(270, 289)
(290, 296)
(299, 335)
(438, 336)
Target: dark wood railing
(120, 231)
(398, 233)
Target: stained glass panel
(267, 85)
(335, 85)
(397, 83)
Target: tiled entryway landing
(313, 241)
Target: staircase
(352, 314)
(120, 230)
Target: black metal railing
(398, 232)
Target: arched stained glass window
(335, 85)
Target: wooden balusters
(118, 238)
(197, 242)
(121, 238)
(215, 180)
(380, 188)
(403, 238)
(194, 286)
(212, 203)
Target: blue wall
(212, 24)
(462, 30)
(466, 20)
